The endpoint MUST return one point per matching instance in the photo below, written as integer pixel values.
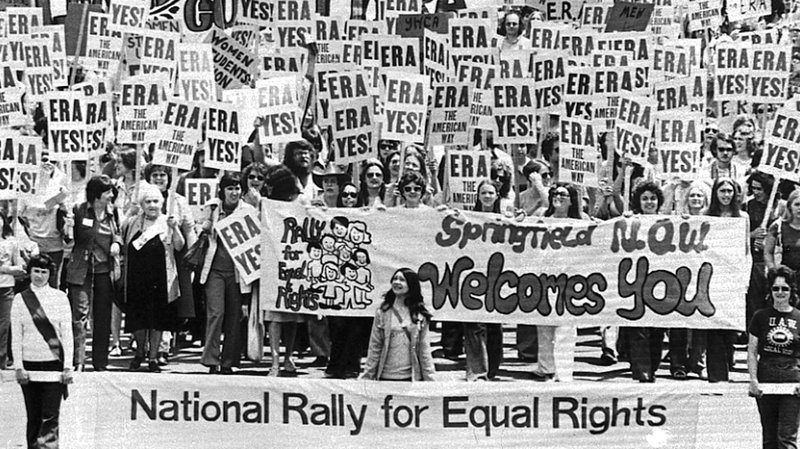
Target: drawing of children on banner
(338, 265)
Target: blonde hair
(703, 188)
(787, 211)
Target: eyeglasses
(712, 130)
(349, 194)
(547, 175)
(562, 194)
(781, 289)
(724, 150)
(258, 177)
(409, 189)
(374, 175)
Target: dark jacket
(90, 233)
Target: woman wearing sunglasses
(349, 196)
(253, 185)
(773, 356)
(539, 177)
(373, 186)
(412, 187)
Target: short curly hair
(636, 197)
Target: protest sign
(651, 271)
(678, 137)
(20, 23)
(578, 156)
(128, 16)
(705, 14)
(179, 133)
(38, 67)
(561, 10)
(8, 163)
(223, 142)
(245, 101)
(288, 61)
(65, 125)
(240, 232)
(96, 120)
(465, 169)
(234, 65)
(732, 73)
(577, 42)
(391, 10)
(472, 39)
(399, 54)
(255, 12)
(547, 35)
(29, 153)
(405, 103)
(681, 93)
(578, 93)
(479, 76)
(353, 118)
(670, 62)
(11, 112)
(103, 51)
(278, 109)
(436, 57)
(594, 16)
(767, 36)
(662, 24)
(157, 52)
(629, 16)
(549, 75)
(637, 43)
(293, 21)
(634, 127)
(516, 63)
(198, 192)
(781, 150)
(141, 102)
(196, 72)
(514, 111)
(450, 116)
(737, 10)
(769, 73)
(414, 25)
(57, 52)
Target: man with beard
(299, 156)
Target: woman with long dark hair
(373, 186)
(399, 349)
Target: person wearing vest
(41, 329)
(97, 244)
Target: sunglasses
(409, 189)
(258, 177)
(781, 289)
(547, 175)
(562, 194)
(712, 130)
(349, 194)
(725, 150)
(374, 175)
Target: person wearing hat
(330, 179)
(299, 156)
(223, 286)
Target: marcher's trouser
(319, 336)
(756, 291)
(6, 299)
(556, 351)
(42, 404)
(780, 414)
(483, 346)
(644, 345)
(345, 345)
(527, 341)
(719, 352)
(223, 314)
(95, 294)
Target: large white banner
(660, 271)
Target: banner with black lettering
(642, 271)
(352, 116)
(405, 106)
(179, 133)
(480, 76)
(399, 54)
(466, 169)
(225, 412)
(245, 100)
(103, 51)
(292, 20)
(681, 94)
(436, 57)
(449, 117)
(65, 125)
(705, 15)
(157, 53)
(141, 102)
(96, 120)
(473, 39)
(38, 66)
(20, 23)
(28, 167)
(578, 156)
(223, 140)
(240, 232)
(514, 111)
(634, 127)
(782, 145)
(8, 163)
(278, 110)
(549, 76)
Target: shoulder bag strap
(43, 324)
(400, 320)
